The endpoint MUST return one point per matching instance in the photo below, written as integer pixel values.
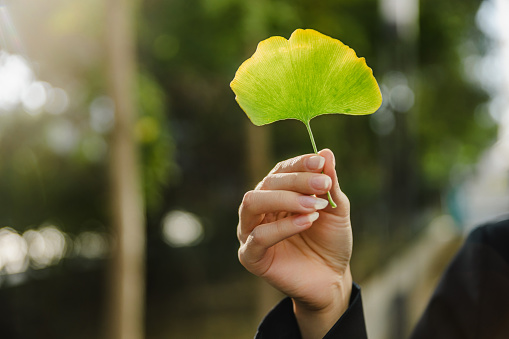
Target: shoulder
(494, 234)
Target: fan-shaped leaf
(308, 75)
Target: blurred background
(124, 157)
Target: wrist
(315, 321)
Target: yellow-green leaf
(308, 75)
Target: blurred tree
(127, 270)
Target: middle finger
(303, 182)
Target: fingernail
(316, 162)
(305, 220)
(321, 182)
(313, 202)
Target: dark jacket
(470, 302)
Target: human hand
(297, 242)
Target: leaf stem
(308, 126)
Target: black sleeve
(280, 322)
(470, 302)
(472, 298)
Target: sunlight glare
(15, 77)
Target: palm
(307, 263)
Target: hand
(291, 237)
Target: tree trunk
(127, 270)
(258, 147)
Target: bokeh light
(13, 252)
(102, 114)
(57, 101)
(181, 229)
(91, 245)
(46, 246)
(61, 136)
(15, 77)
(383, 121)
(19, 87)
(33, 97)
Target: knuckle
(279, 166)
(279, 196)
(295, 161)
(277, 181)
(241, 255)
(246, 261)
(295, 181)
(264, 183)
(256, 238)
(239, 233)
(280, 227)
(247, 200)
(344, 200)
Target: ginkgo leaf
(308, 75)
(303, 77)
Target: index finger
(302, 163)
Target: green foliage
(53, 168)
(51, 172)
(152, 132)
(188, 51)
